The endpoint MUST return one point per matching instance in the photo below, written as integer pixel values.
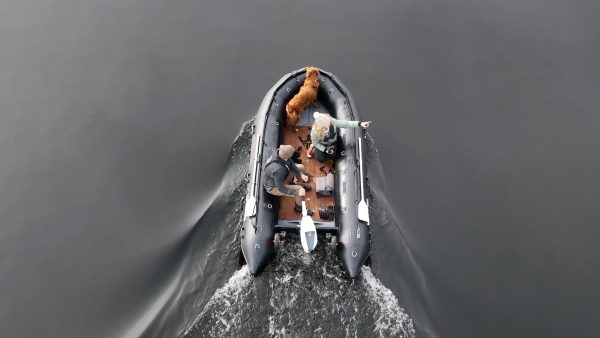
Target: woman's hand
(365, 124)
(304, 178)
(301, 192)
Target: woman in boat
(279, 170)
(324, 135)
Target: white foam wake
(219, 307)
(392, 319)
(316, 300)
(299, 299)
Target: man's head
(285, 151)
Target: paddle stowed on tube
(308, 232)
(363, 208)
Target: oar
(250, 208)
(363, 208)
(308, 232)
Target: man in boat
(323, 135)
(279, 170)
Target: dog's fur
(306, 95)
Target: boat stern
(353, 258)
(257, 245)
(354, 248)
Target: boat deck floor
(300, 137)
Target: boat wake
(225, 302)
(308, 295)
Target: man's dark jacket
(275, 172)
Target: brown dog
(306, 95)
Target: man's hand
(365, 124)
(304, 178)
(301, 192)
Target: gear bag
(327, 212)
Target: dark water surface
(121, 189)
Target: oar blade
(363, 211)
(250, 207)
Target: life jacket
(269, 179)
(280, 161)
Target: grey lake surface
(124, 139)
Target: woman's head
(322, 123)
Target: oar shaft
(362, 188)
(304, 209)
